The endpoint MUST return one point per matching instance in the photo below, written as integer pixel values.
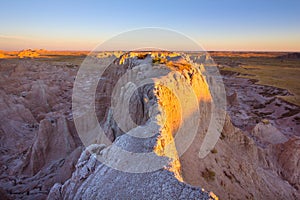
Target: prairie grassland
(75, 60)
(280, 73)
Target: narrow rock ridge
(150, 97)
(177, 84)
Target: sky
(256, 25)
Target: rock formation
(39, 145)
(28, 54)
(142, 162)
(140, 135)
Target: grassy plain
(268, 69)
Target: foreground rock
(98, 181)
(144, 162)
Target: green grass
(280, 73)
(75, 60)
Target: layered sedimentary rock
(151, 95)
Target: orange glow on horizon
(15, 43)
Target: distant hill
(39, 53)
(28, 54)
(290, 55)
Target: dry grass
(280, 73)
(75, 60)
(245, 54)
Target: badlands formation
(152, 113)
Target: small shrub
(214, 150)
(142, 56)
(158, 60)
(222, 136)
(209, 175)
(265, 121)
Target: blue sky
(216, 24)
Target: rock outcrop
(39, 144)
(143, 161)
(52, 142)
(288, 154)
(28, 53)
(92, 179)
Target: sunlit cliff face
(179, 94)
(171, 113)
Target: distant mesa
(39, 53)
(2, 55)
(28, 54)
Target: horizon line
(77, 50)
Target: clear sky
(215, 24)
